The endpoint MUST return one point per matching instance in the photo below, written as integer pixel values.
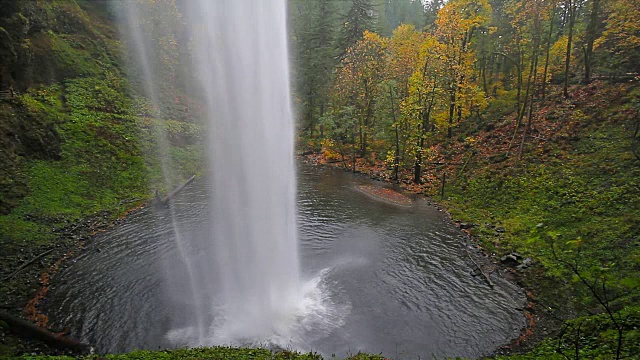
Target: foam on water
(315, 317)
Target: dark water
(398, 278)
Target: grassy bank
(572, 203)
(226, 353)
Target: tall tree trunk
(452, 107)
(321, 127)
(571, 9)
(365, 121)
(520, 81)
(530, 81)
(483, 74)
(548, 50)
(591, 37)
(426, 115)
(353, 149)
(310, 114)
(396, 159)
(530, 116)
(361, 138)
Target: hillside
(77, 143)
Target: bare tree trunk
(28, 329)
(353, 149)
(546, 61)
(417, 173)
(310, 114)
(591, 36)
(396, 159)
(572, 15)
(529, 120)
(452, 107)
(321, 127)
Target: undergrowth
(574, 207)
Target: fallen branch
(466, 163)
(165, 200)
(25, 328)
(537, 137)
(486, 277)
(25, 265)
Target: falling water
(247, 285)
(241, 61)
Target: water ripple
(391, 279)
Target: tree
(431, 12)
(527, 19)
(313, 35)
(620, 39)
(397, 12)
(357, 81)
(404, 57)
(552, 17)
(359, 18)
(425, 96)
(455, 26)
(571, 7)
(592, 29)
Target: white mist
(242, 63)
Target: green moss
(106, 154)
(226, 353)
(577, 205)
(72, 60)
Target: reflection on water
(380, 278)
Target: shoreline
(76, 237)
(28, 289)
(529, 337)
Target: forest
(518, 118)
(393, 78)
(521, 117)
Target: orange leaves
(385, 195)
(32, 308)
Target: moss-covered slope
(76, 141)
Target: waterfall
(245, 284)
(242, 63)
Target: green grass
(226, 353)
